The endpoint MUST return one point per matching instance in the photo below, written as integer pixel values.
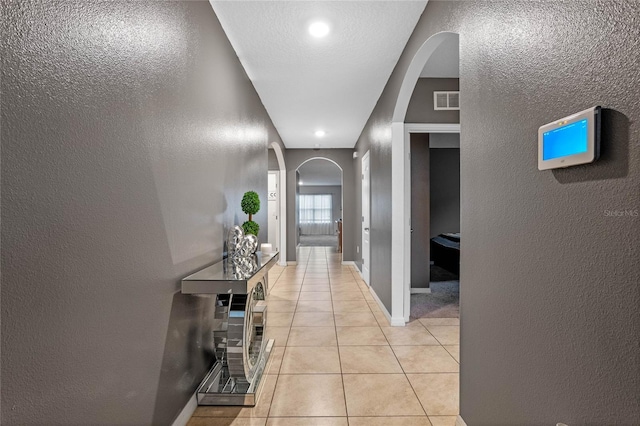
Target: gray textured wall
(272, 160)
(420, 108)
(123, 159)
(444, 140)
(444, 171)
(336, 199)
(420, 210)
(344, 158)
(550, 275)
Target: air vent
(446, 101)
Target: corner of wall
(186, 413)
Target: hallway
(337, 361)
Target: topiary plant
(251, 227)
(250, 205)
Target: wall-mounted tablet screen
(570, 141)
(566, 140)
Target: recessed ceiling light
(318, 29)
(320, 133)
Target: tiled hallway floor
(337, 362)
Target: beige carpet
(319, 240)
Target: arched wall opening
(319, 204)
(401, 177)
(282, 201)
(344, 159)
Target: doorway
(277, 209)
(435, 225)
(319, 204)
(273, 209)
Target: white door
(273, 210)
(366, 212)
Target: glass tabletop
(233, 268)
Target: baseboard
(349, 263)
(416, 290)
(459, 421)
(395, 322)
(291, 263)
(361, 276)
(187, 412)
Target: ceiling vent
(446, 101)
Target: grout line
(300, 281)
(335, 329)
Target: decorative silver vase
(240, 244)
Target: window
(315, 208)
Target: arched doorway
(401, 176)
(319, 204)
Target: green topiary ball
(250, 202)
(251, 227)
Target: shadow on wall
(188, 354)
(614, 153)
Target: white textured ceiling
(445, 60)
(331, 83)
(320, 173)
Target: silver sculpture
(241, 249)
(234, 239)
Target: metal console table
(242, 351)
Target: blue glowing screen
(569, 139)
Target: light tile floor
(338, 362)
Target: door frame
(368, 157)
(277, 231)
(401, 213)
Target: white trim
(460, 421)
(282, 193)
(432, 127)
(186, 413)
(275, 244)
(394, 321)
(349, 263)
(283, 217)
(292, 263)
(399, 226)
(319, 158)
(416, 290)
